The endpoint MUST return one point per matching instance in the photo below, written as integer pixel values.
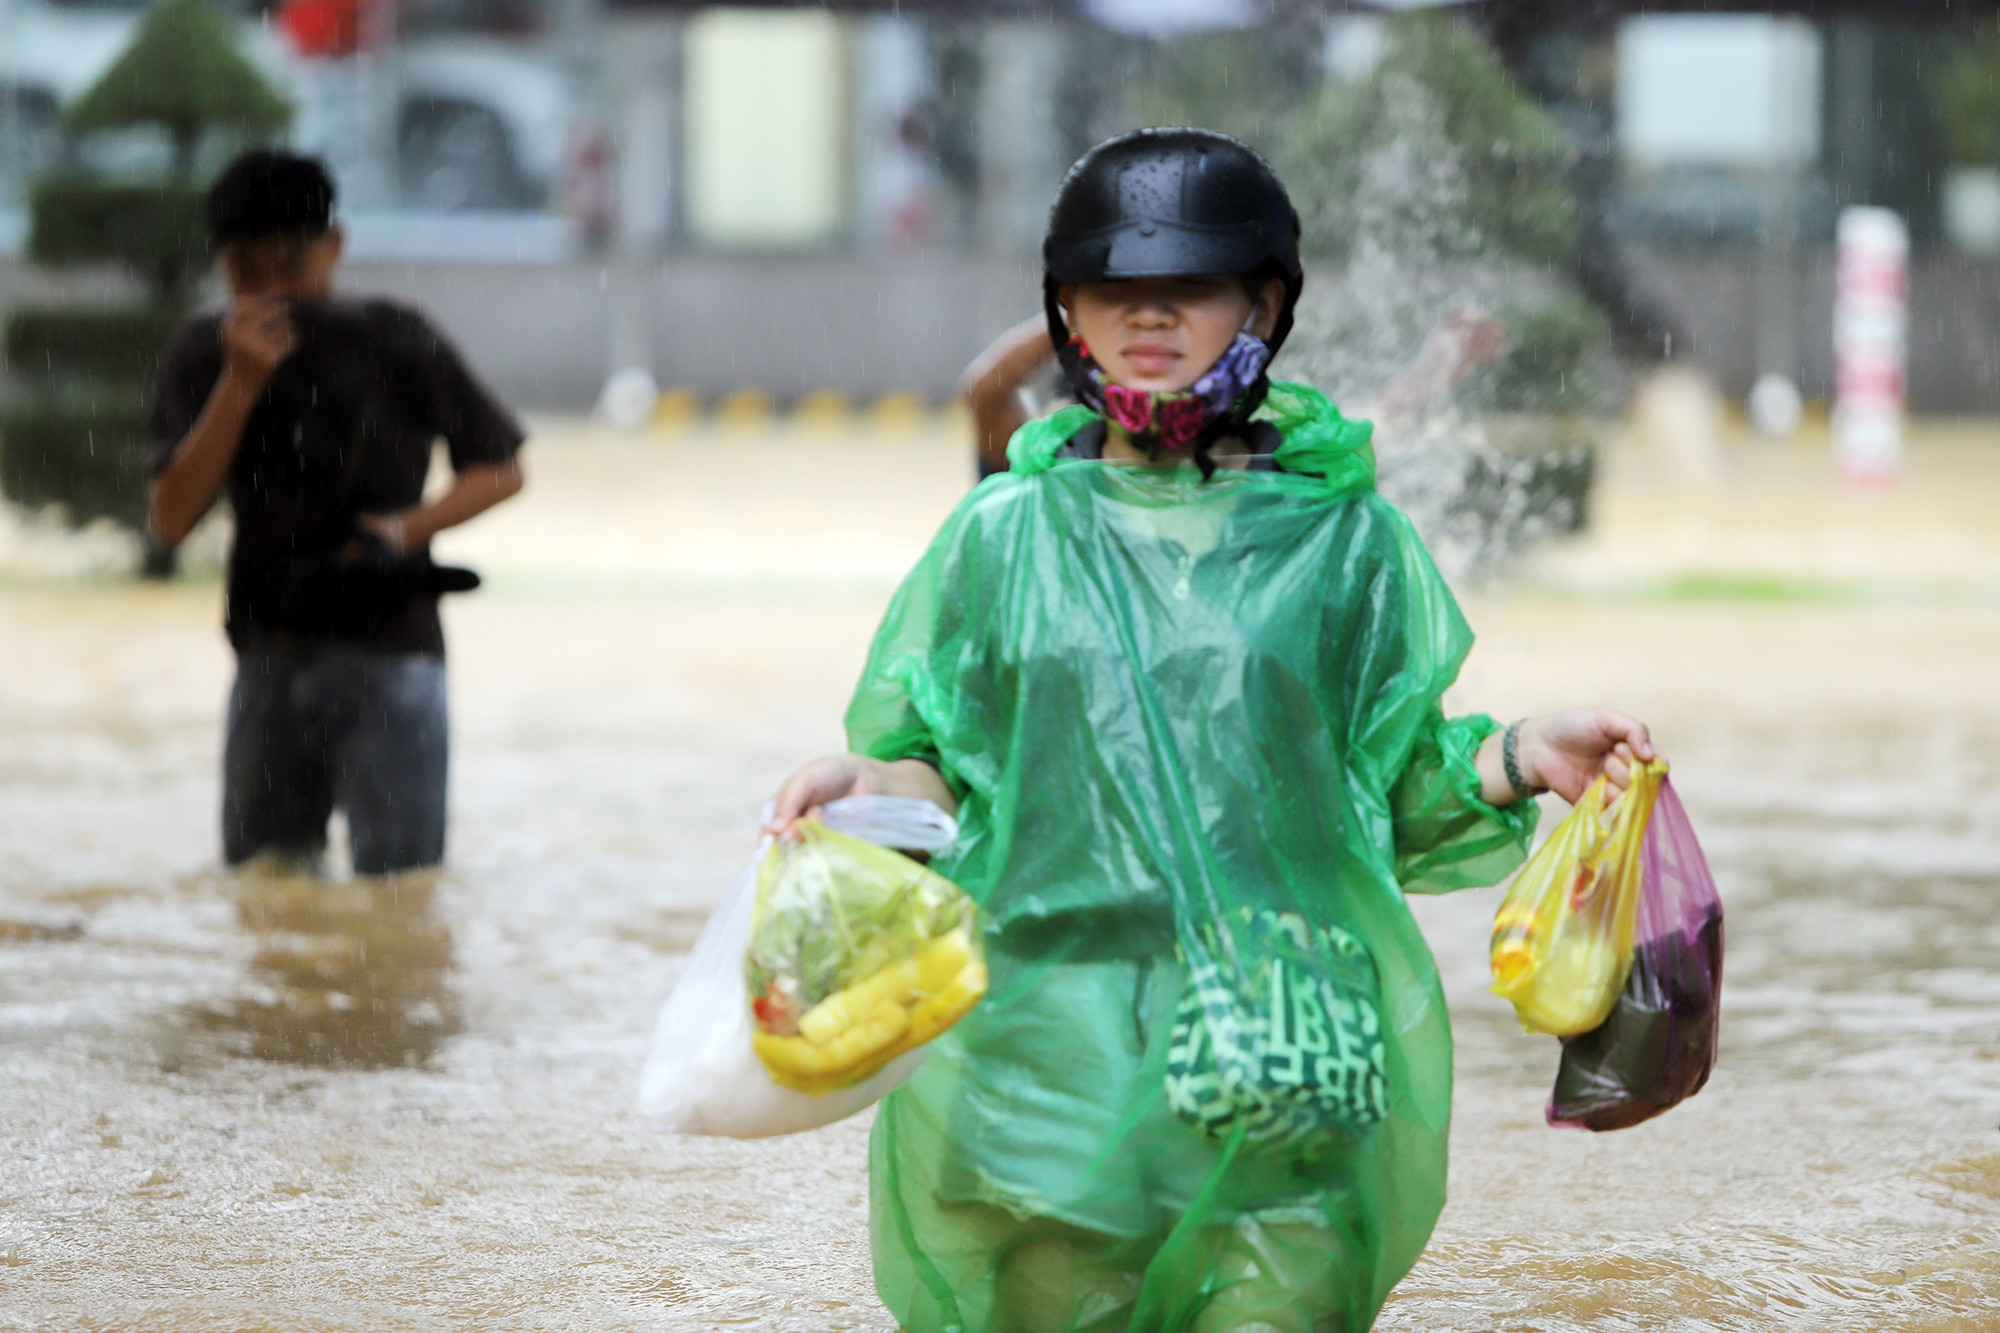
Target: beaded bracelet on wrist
(1510, 760)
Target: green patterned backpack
(1278, 1033)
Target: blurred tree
(1440, 210)
(1433, 170)
(1969, 103)
(1248, 84)
(183, 73)
(72, 427)
(1435, 146)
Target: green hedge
(1552, 362)
(88, 456)
(158, 231)
(1968, 103)
(1437, 148)
(112, 343)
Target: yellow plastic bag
(856, 955)
(1562, 940)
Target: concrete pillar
(642, 86)
(1021, 153)
(893, 75)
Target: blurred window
(766, 141)
(30, 138)
(1161, 18)
(1718, 90)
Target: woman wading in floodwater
(1178, 674)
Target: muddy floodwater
(253, 1102)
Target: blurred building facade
(849, 197)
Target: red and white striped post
(1870, 324)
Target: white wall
(1718, 90)
(766, 127)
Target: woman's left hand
(1566, 751)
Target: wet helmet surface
(1170, 203)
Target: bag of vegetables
(702, 1075)
(857, 955)
(1563, 937)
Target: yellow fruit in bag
(1562, 939)
(856, 955)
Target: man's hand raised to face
(257, 335)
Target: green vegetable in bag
(856, 955)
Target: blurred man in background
(319, 417)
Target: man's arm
(992, 386)
(257, 335)
(481, 436)
(476, 489)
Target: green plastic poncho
(1185, 719)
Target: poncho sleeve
(1447, 837)
(884, 720)
(907, 703)
(1408, 651)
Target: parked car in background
(465, 102)
(478, 126)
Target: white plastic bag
(701, 1076)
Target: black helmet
(1170, 203)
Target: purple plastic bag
(1658, 1046)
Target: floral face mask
(1168, 420)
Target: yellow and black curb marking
(829, 410)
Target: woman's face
(1161, 334)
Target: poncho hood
(1318, 440)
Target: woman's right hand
(805, 793)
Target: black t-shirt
(345, 427)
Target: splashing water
(1440, 190)
(1481, 486)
